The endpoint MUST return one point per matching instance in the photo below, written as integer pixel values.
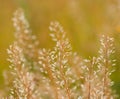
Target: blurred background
(83, 20)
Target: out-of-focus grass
(84, 21)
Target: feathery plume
(23, 83)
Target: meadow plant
(23, 83)
(57, 73)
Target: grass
(57, 73)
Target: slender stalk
(105, 68)
(61, 71)
(46, 61)
(52, 79)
